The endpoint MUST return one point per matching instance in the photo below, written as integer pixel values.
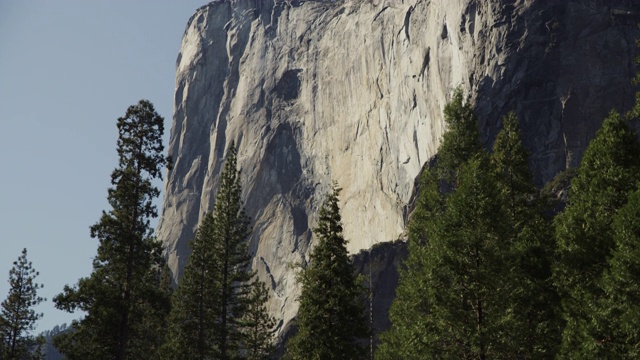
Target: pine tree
(123, 296)
(331, 318)
(259, 326)
(609, 170)
(192, 321)
(214, 292)
(230, 233)
(461, 141)
(410, 310)
(534, 298)
(619, 310)
(477, 281)
(18, 317)
(467, 271)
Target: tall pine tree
(619, 310)
(476, 283)
(230, 232)
(195, 303)
(331, 318)
(259, 326)
(609, 171)
(18, 318)
(534, 298)
(467, 271)
(123, 296)
(410, 310)
(214, 293)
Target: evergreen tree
(192, 321)
(476, 283)
(123, 296)
(258, 325)
(331, 318)
(468, 272)
(230, 233)
(461, 141)
(213, 295)
(18, 316)
(619, 313)
(609, 170)
(534, 298)
(410, 310)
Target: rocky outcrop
(378, 267)
(353, 91)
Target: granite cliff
(353, 91)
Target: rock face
(379, 267)
(353, 92)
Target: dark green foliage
(468, 271)
(609, 170)
(231, 247)
(511, 163)
(620, 308)
(411, 309)
(18, 318)
(534, 298)
(214, 293)
(331, 319)
(454, 297)
(461, 141)
(124, 298)
(477, 282)
(192, 322)
(258, 325)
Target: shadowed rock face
(353, 91)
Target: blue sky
(68, 70)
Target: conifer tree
(461, 141)
(192, 321)
(534, 298)
(230, 233)
(214, 292)
(609, 171)
(18, 318)
(409, 312)
(619, 310)
(406, 339)
(476, 283)
(331, 318)
(123, 296)
(258, 325)
(468, 275)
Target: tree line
(491, 271)
(218, 310)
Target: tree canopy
(18, 316)
(331, 318)
(219, 307)
(123, 297)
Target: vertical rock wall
(353, 91)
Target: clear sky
(68, 70)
